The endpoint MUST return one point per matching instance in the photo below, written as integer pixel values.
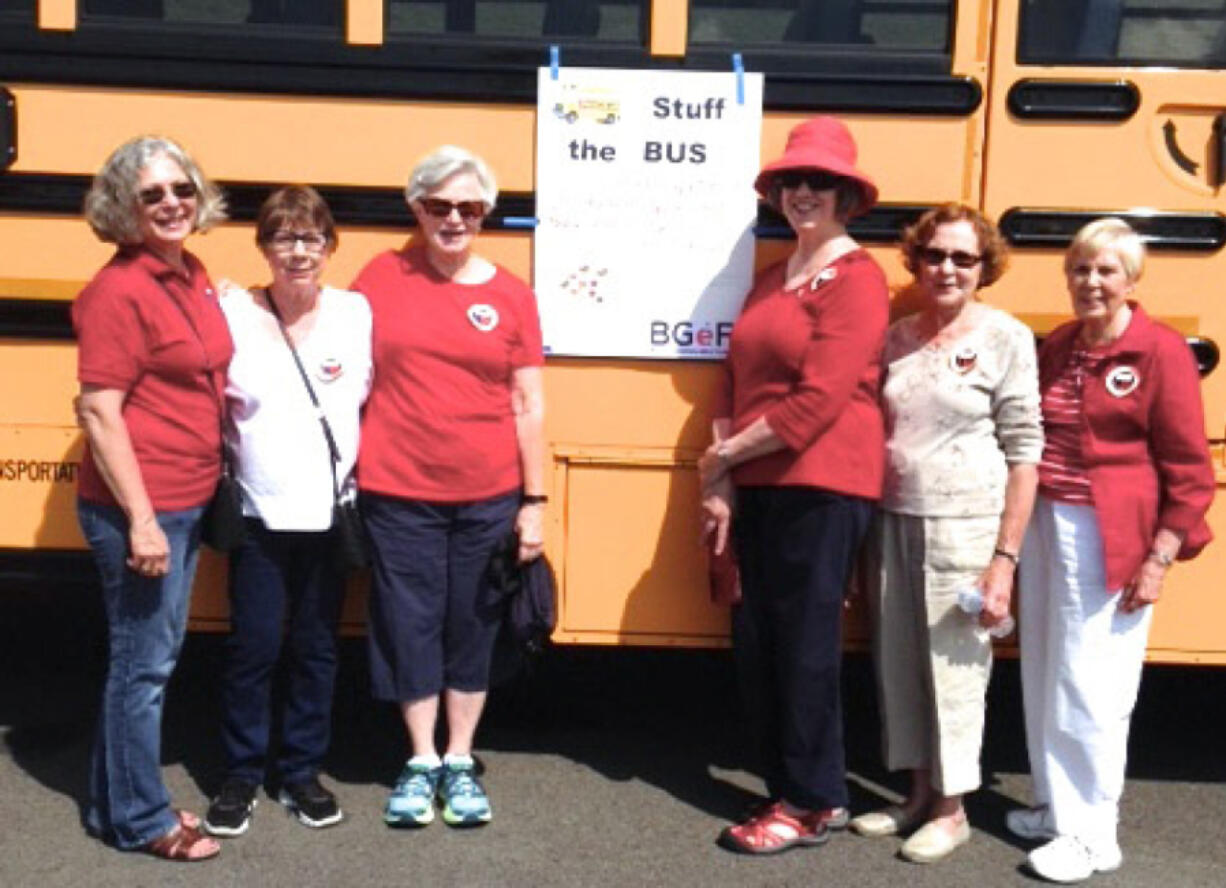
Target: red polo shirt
(133, 334)
(1142, 438)
(438, 424)
(809, 360)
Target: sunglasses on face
(817, 180)
(155, 194)
(469, 210)
(285, 241)
(960, 258)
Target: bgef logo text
(704, 337)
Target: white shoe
(933, 842)
(1033, 824)
(1069, 859)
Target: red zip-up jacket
(1143, 439)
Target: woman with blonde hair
(1124, 485)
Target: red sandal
(183, 844)
(773, 830)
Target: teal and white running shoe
(463, 798)
(412, 800)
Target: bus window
(1131, 32)
(888, 24)
(620, 21)
(320, 13)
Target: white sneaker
(1069, 859)
(1033, 824)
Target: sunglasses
(155, 194)
(469, 210)
(285, 241)
(817, 180)
(960, 258)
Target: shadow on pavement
(669, 718)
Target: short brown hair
(992, 247)
(291, 207)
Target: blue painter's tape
(738, 65)
(520, 222)
(554, 56)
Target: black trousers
(796, 547)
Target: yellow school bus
(1044, 113)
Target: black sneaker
(230, 813)
(312, 804)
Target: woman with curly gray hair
(153, 353)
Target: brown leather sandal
(183, 844)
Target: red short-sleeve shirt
(438, 424)
(133, 334)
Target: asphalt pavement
(606, 766)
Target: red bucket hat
(823, 143)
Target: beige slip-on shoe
(933, 842)
(886, 822)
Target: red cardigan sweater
(809, 360)
(1144, 445)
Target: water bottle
(970, 600)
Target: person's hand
(148, 548)
(1145, 588)
(712, 468)
(716, 518)
(530, 525)
(996, 583)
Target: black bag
(349, 535)
(526, 597)
(223, 527)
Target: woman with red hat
(797, 458)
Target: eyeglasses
(155, 194)
(817, 180)
(285, 241)
(469, 210)
(960, 258)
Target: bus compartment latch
(8, 129)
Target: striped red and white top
(1062, 470)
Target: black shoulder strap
(333, 450)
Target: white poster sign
(644, 196)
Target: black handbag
(524, 598)
(223, 527)
(349, 540)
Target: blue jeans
(272, 575)
(146, 618)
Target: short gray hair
(111, 204)
(1113, 233)
(444, 162)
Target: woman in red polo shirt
(1124, 484)
(799, 434)
(451, 461)
(152, 359)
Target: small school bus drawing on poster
(594, 104)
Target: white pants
(1081, 667)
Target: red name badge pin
(483, 317)
(329, 369)
(1123, 381)
(964, 360)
